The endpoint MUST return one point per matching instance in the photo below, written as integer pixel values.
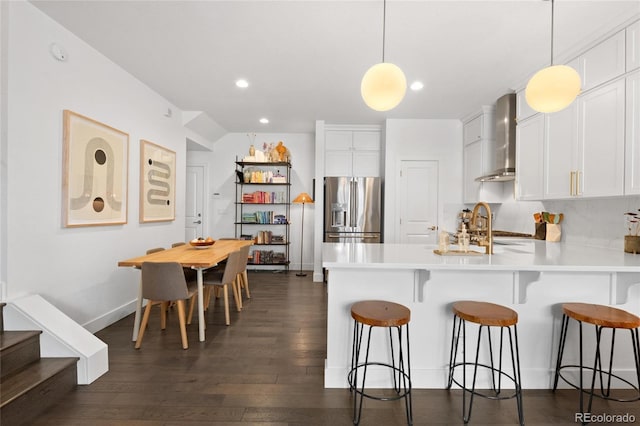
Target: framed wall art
(157, 183)
(95, 167)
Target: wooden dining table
(199, 259)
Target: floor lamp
(303, 199)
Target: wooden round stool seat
(380, 313)
(604, 316)
(485, 313)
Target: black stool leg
(580, 380)
(357, 407)
(454, 349)
(407, 389)
(635, 342)
(517, 378)
(563, 338)
(467, 416)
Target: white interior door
(418, 201)
(194, 217)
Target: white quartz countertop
(509, 255)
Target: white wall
(221, 165)
(439, 140)
(74, 268)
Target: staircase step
(18, 349)
(27, 393)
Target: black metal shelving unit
(266, 250)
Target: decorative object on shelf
(281, 150)
(632, 239)
(384, 84)
(157, 183)
(95, 166)
(252, 151)
(303, 198)
(553, 88)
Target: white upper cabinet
(480, 126)
(601, 129)
(472, 168)
(633, 46)
(479, 140)
(561, 153)
(529, 158)
(632, 143)
(352, 153)
(603, 62)
(523, 110)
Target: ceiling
(304, 59)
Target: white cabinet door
(560, 153)
(632, 143)
(472, 130)
(603, 62)
(601, 124)
(366, 141)
(529, 158)
(338, 163)
(338, 140)
(523, 110)
(633, 46)
(472, 168)
(366, 163)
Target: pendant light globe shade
(383, 86)
(553, 88)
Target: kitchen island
(532, 277)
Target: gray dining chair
(224, 279)
(163, 282)
(178, 244)
(243, 280)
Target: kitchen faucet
(488, 243)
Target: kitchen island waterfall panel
(534, 278)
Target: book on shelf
(267, 237)
(264, 197)
(264, 257)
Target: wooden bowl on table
(202, 243)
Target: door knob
(198, 222)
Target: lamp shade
(383, 86)
(303, 198)
(553, 88)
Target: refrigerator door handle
(352, 204)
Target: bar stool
(486, 315)
(601, 317)
(378, 313)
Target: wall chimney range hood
(505, 154)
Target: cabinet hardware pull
(571, 183)
(578, 191)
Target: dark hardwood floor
(266, 369)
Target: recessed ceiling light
(264, 120)
(417, 85)
(242, 83)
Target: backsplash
(594, 222)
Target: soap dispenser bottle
(463, 239)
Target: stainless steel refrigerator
(352, 209)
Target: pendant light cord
(552, 14)
(384, 23)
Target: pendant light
(553, 88)
(383, 85)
